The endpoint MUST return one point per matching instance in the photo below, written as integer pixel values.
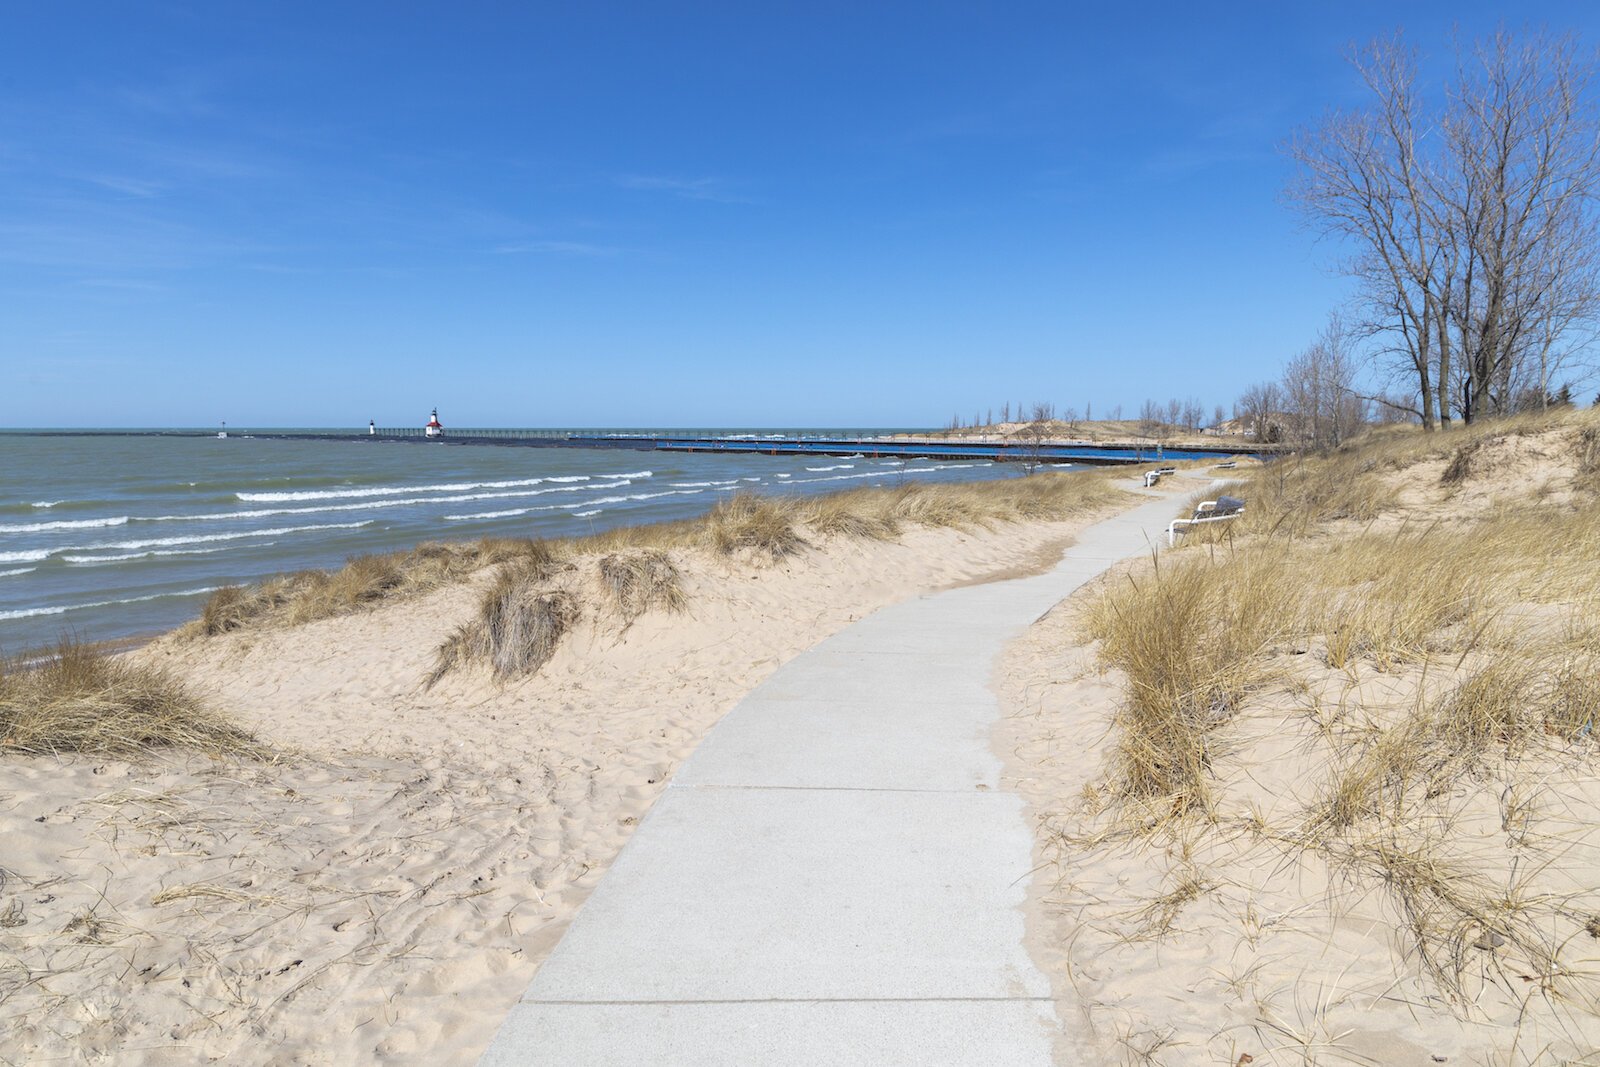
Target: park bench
(1152, 477)
(1219, 510)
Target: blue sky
(817, 214)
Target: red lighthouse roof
(434, 421)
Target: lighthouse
(433, 429)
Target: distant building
(433, 429)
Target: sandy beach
(1347, 877)
(383, 887)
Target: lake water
(110, 537)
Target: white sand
(1226, 943)
(383, 893)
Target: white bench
(1152, 477)
(1219, 510)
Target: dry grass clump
(639, 581)
(1296, 495)
(1300, 494)
(1197, 634)
(76, 698)
(1190, 641)
(361, 583)
(1453, 913)
(519, 625)
(546, 589)
(1466, 658)
(773, 528)
(765, 525)
(1586, 449)
(863, 514)
(1460, 465)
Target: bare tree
(1218, 416)
(1362, 179)
(1005, 411)
(1193, 415)
(1471, 219)
(1319, 399)
(1261, 407)
(1526, 137)
(1150, 419)
(1034, 435)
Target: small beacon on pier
(372, 427)
(433, 429)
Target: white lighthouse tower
(433, 429)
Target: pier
(844, 444)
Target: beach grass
(79, 698)
(1464, 592)
(768, 528)
(520, 620)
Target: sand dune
(383, 891)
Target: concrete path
(835, 876)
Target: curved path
(835, 876)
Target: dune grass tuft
(764, 525)
(639, 581)
(76, 698)
(1189, 641)
(523, 616)
(363, 582)
(769, 527)
(519, 625)
(1460, 466)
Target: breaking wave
(64, 524)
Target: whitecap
(16, 571)
(161, 542)
(61, 609)
(64, 524)
(374, 505)
(382, 490)
(145, 555)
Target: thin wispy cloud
(128, 285)
(562, 248)
(133, 188)
(713, 189)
